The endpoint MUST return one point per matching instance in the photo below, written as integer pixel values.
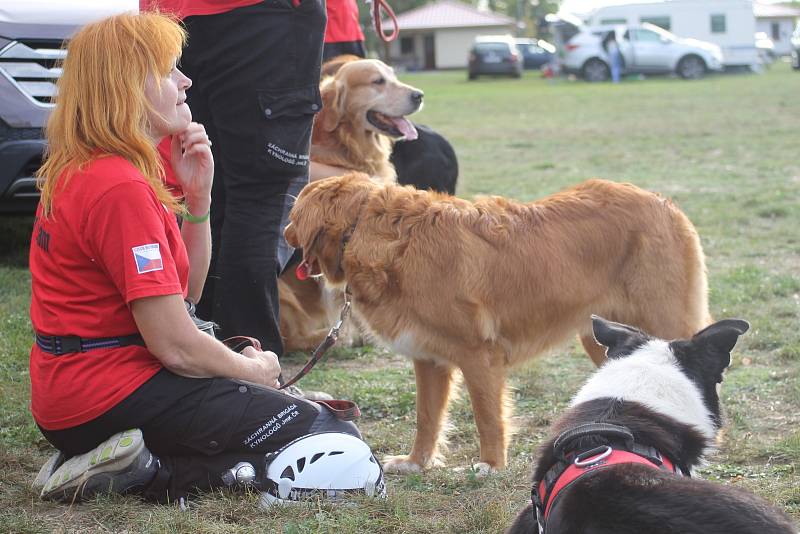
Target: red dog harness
(574, 465)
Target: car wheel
(596, 70)
(691, 68)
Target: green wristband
(188, 217)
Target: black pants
(199, 427)
(255, 75)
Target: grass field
(725, 149)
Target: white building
(778, 23)
(731, 24)
(439, 35)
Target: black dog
(428, 162)
(624, 451)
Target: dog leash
(327, 343)
(376, 7)
(238, 343)
(343, 409)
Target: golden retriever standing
(481, 286)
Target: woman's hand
(194, 167)
(269, 364)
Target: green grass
(724, 149)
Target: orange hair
(101, 108)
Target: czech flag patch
(148, 258)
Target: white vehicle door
(626, 48)
(650, 51)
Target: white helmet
(325, 464)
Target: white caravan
(730, 24)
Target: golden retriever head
(323, 216)
(368, 94)
(332, 66)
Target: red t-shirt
(107, 242)
(187, 8)
(343, 25)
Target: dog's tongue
(405, 127)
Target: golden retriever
(481, 286)
(364, 110)
(332, 66)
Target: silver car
(646, 49)
(32, 33)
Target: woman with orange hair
(123, 384)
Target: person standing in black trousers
(255, 67)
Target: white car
(646, 49)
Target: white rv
(730, 24)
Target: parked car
(729, 24)
(646, 49)
(31, 37)
(796, 47)
(535, 53)
(495, 55)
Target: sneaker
(120, 464)
(295, 391)
(47, 470)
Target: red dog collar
(593, 460)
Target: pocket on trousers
(285, 133)
(216, 417)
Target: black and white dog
(621, 457)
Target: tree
(528, 12)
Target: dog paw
(400, 464)
(480, 469)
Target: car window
(646, 35)
(530, 49)
(500, 48)
(568, 30)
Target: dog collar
(346, 238)
(574, 464)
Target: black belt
(59, 345)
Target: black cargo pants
(255, 87)
(199, 427)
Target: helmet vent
(334, 453)
(288, 473)
(317, 457)
(301, 463)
